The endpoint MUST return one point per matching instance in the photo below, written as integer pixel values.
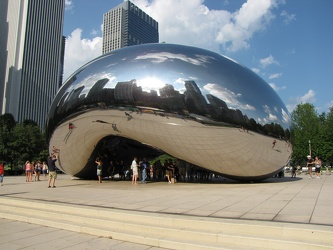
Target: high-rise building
(127, 25)
(31, 47)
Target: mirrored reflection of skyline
(190, 103)
(176, 79)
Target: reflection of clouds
(90, 81)
(111, 65)
(273, 116)
(267, 109)
(276, 109)
(160, 57)
(181, 80)
(270, 116)
(229, 97)
(150, 83)
(285, 116)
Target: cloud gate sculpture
(190, 103)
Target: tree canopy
(21, 142)
(311, 133)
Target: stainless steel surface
(193, 104)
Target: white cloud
(274, 76)
(276, 88)
(330, 104)
(252, 17)
(287, 18)
(69, 5)
(187, 22)
(192, 23)
(80, 51)
(256, 70)
(264, 62)
(309, 97)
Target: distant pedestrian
(44, 169)
(293, 171)
(2, 173)
(99, 169)
(274, 142)
(121, 170)
(28, 171)
(52, 169)
(318, 167)
(144, 166)
(111, 170)
(134, 168)
(309, 164)
(38, 170)
(169, 171)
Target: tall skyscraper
(31, 47)
(127, 25)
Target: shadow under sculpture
(193, 104)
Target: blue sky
(286, 42)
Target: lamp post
(310, 147)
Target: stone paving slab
(300, 200)
(297, 200)
(19, 235)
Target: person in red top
(2, 172)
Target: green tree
(305, 131)
(7, 124)
(327, 138)
(27, 143)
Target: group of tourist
(310, 163)
(316, 163)
(35, 169)
(170, 171)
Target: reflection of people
(134, 168)
(309, 164)
(99, 169)
(52, 169)
(318, 166)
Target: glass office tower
(127, 25)
(31, 47)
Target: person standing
(27, 171)
(169, 171)
(52, 169)
(293, 170)
(45, 169)
(135, 172)
(99, 169)
(111, 170)
(121, 170)
(2, 173)
(318, 167)
(309, 164)
(38, 169)
(144, 166)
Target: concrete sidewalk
(297, 200)
(19, 235)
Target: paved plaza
(296, 200)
